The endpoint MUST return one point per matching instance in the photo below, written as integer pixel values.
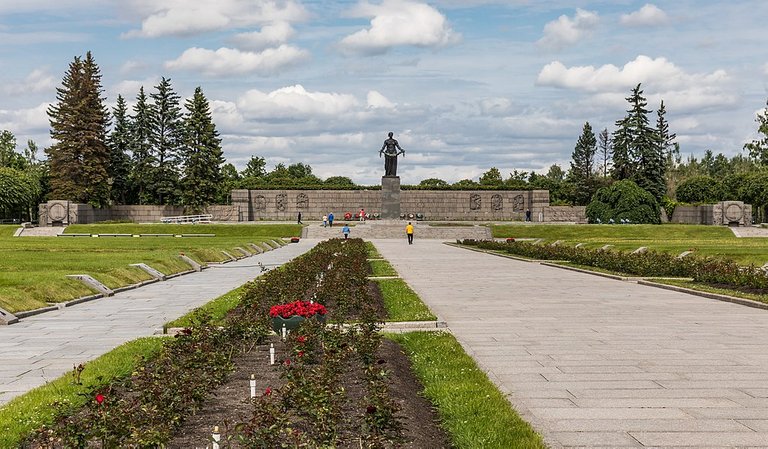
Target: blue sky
(464, 85)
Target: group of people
(328, 220)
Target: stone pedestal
(390, 197)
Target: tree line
(167, 152)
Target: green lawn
(33, 269)
(703, 240)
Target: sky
(465, 85)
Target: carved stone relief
(475, 202)
(302, 201)
(260, 203)
(497, 202)
(280, 200)
(518, 203)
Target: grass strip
(216, 308)
(402, 303)
(373, 253)
(382, 268)
(28, 412)
(472, 409)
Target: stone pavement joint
(596, 362)
(43, 347)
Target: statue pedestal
(390, 197)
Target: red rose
(268, 391)
(99, 398)
(301, 339)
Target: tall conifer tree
(119, 146)
(582, 165)
(79, 158)
(167, 139)
(203, 155)
(141, 150)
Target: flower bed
(311, 405)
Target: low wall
(58, 212)
(477, 205)
(729, 213)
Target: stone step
(396, 230)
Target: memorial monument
(390, 182)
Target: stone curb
(717, 296)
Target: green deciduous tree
(700, 189)
(491, 178)
(433, 183)
(202, 153)
(758, 148)
(341, 181)
(255, 168)
(79, 157)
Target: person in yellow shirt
(409, 233)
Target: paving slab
(41, 348)
(595, 362)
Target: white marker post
(216, 437)
(253, 386)
(284, 332)
(271, 354)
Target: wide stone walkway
(43, 347)
(595, 362)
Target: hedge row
(651, 263)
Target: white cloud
(398, 23)
(765, 68)
(566, 31)
(130, 88)
(26, 121)
(376, 101)
(660, 72)
(226, 62)
(647, 16)
(37, 81)
(270, 36)
(295, 102)
(184, 18)
(495, 107)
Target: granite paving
(596, 362)
(41, 348)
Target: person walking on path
(298, 219)
(345, 231)
(409, 233)
(325, 221)
(362, 214)
(330, 219)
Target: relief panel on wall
(475, 202)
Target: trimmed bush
(700, 189)
(623, 200)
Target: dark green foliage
(341, 181)
(433, 182)
(167, 139)
(623, 200)
(79, 158)
(700, 189)
(8, 155)
(758, 149)
(119, 143)
(255, 168)
(605, 150)
(19, 192)
(144, 159)
(202, 155)
(491, 178)
(582, 166)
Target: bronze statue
(390, 151)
